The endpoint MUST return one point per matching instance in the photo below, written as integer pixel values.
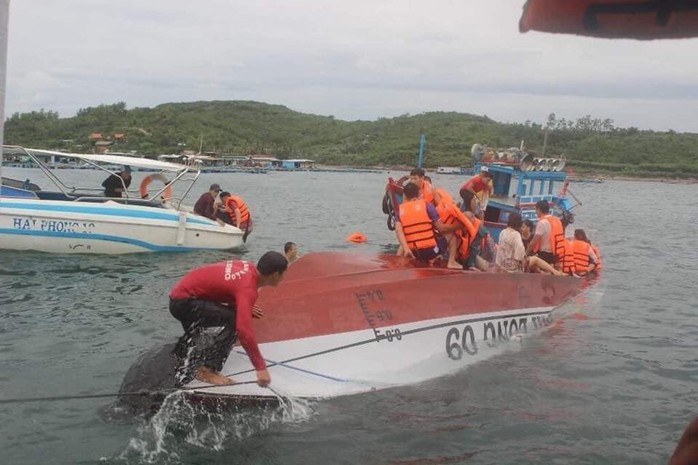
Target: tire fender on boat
(167, 193)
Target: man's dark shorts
(467, 197)
(547, 257)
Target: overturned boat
(342, 323)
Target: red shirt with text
(233, 282)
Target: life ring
(166, 194)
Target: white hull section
(107, 228)
(358, 361)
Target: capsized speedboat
(81, 220)
(342, 323)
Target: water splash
(181, 424)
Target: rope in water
(116, 394)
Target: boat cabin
(517, 188)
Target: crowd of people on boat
(430, 226)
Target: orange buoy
(166, 194)
(356, 237)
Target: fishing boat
(71, 219)
(520, 179)
(344, 323)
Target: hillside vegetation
(253, 128)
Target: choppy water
(616, 386)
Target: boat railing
(188, 173)
(122, 200)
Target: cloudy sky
(354, 59)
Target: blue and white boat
(81, 220)
(520, 180)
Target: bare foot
(207, 375)
(454, 266)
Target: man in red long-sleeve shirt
(222, 294)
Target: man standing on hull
(222, 294)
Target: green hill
(244, 127)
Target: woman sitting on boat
(527, 230)
(511, 253)
(580, 256)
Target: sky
(352, 59)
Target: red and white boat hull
(343, 324)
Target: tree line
(251, 128)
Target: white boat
(452, 170)
(74, 223)
(82, 220)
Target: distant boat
(453, 170)
(82, 220)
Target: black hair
(417, 172)
(272, 262)
(288, 246)
(224, 194)
(411, 190)
(543, 206)
(529, 223)
(580, 235)
(514, 221)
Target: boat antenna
(4, 22)
(201, 143)
(422, 141)
(545, 140)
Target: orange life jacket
(568, 256)
(576, 257)
(416, 224)
(449, 213)
(427, 192)
(443, 194)
(236, 201)
(557, 236)
(581, 250)
(598, 257)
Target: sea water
(614, 382)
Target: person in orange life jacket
(291, 252)
(580, 258)
(474, 262)
(415, 228)
(233, 210)
(221, 294)
(479, 182)
(426, 190)
(458, 240)
(205, 205)
(548, 240)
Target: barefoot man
(222, 294)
